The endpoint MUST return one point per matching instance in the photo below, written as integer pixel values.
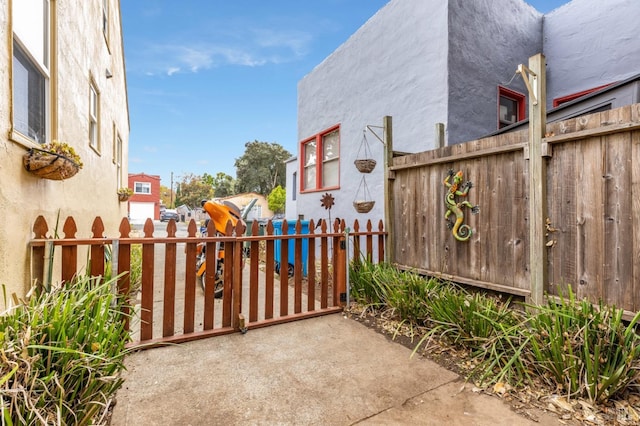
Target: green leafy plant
(584, 349)
(125, 192)
(63, 148)
(62, 352)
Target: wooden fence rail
(592, 222)
(171, 307)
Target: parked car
(169, 214)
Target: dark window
(511, 107)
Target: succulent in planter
(124, 193)
(55, 160)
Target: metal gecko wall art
(461, 232)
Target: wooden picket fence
(169, 306)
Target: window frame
(38, 65)
(319, 164)
(568, 98)
(517, 97)
(140, 185)
(94, 116)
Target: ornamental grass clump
(62, 352)
(585, 350)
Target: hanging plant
(55, 160)
(365, 164)
(364, 204)
(124, 193)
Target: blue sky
(206, 76)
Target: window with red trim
(511, 107)
(564, 99)
(323, 173)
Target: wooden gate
(170, 306)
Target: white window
(105, 18)
(142, 188)
(31, 68)
(323, 174)
(94, 123)
(117, 159)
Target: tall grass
(61, 353)
(585, 350)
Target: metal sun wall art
(461, 232)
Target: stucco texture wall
(390, 66)
(80, 54)
(487, 42)
(588, 43)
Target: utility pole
(171, 192)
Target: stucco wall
(390, 66)
(487, 42)
(293, 185)
(588, 43)
(81, 53)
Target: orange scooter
(220, 214)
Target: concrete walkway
(322, 371)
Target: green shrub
(586, 350)
(62, 352)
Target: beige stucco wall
(80, 54)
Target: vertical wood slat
(69, 253)
(97, 250)
(254, 249)
(369, 238)
(297, 270)
(228, 298)
(381, 242)
(210, 277)
(311, 268)
(237, 268)
(284, 270)
(336, 239)
(324, 266)
(38, 254)
(635, 208)
(169, 295)
(269, 271)
(124, 264)
(356, 242)
(190, 280)
(148, 270)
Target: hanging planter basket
(366, 204)
(123, 197)
(366, 164)
(49, 165)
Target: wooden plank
(148, 271)
(602, 128)
(169, 295)
(589, 171)
(69, 253)
(635, 226)
(311, 268)
(537, 181)
(284, 268)
(190, 281)
(618, 242)
(269, 271)
(459, 157)
(97, 250)
(519, 229)
(324, 267)
(297, 270)
(254, 267)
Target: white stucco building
(425, 62)
(62, 77)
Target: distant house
(62, 77)
(145, 202)
(259, 210)
(434, 64)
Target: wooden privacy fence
(171, 307)
(592, 220)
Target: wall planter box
(49, 165)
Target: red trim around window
(318, 140)
(564, 99)
(519, 98)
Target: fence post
(536, 82)
(388, 193)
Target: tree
(261, 168)
(166, 197)
(192, 190)
(277, 199)
(223, 184)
